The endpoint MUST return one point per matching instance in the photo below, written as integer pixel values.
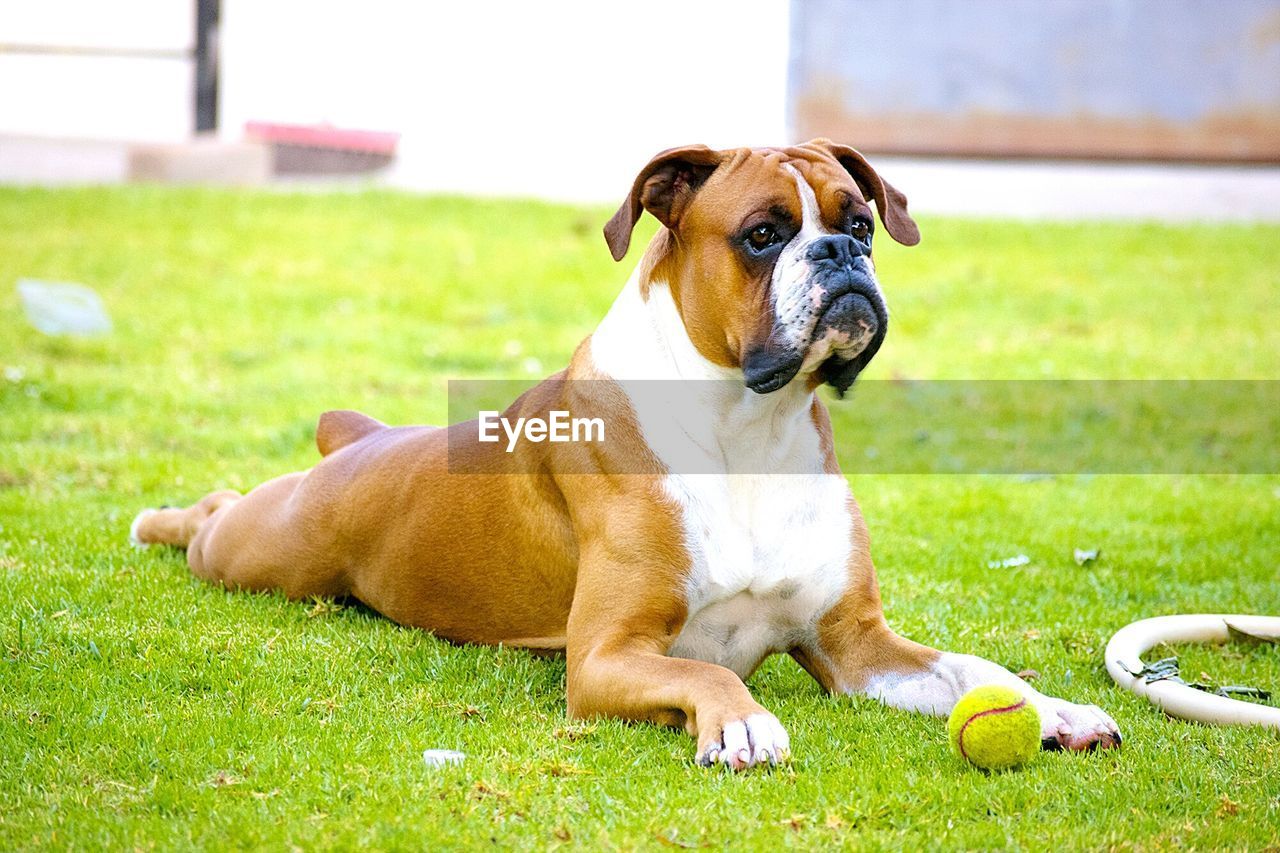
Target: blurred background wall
(567, 98)
(86, 69)
(1176, 79)
(555, 99)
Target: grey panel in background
(1183, 79)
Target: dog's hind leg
(260, 541)
(278, 536)
(177, 526)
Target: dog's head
(768, 255)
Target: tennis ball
(994, 727)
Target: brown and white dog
(665, 589)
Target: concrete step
(47, 161)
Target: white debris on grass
(1009, 562)
(441, 757)
(59, 308)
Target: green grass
(141, 708)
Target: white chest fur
(769, 557)
(767, 530)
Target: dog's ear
(664, 187)
(891, 204)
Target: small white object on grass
(441, 757)
(1124, 662)
(57, 308)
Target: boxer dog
(664, 587)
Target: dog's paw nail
(755, 739)
(1076, 727)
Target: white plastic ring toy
(1124, 662)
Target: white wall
(561, 99)
(58, 76)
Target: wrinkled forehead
(768, 179)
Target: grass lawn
(139, 707)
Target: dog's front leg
(620, 626)
(854, 651)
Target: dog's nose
(838, 248)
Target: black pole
(207, 12)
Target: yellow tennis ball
(994, 727)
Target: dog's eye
(860, 229)
(762, 237)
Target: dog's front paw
(1064, 725)
(757, 738)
